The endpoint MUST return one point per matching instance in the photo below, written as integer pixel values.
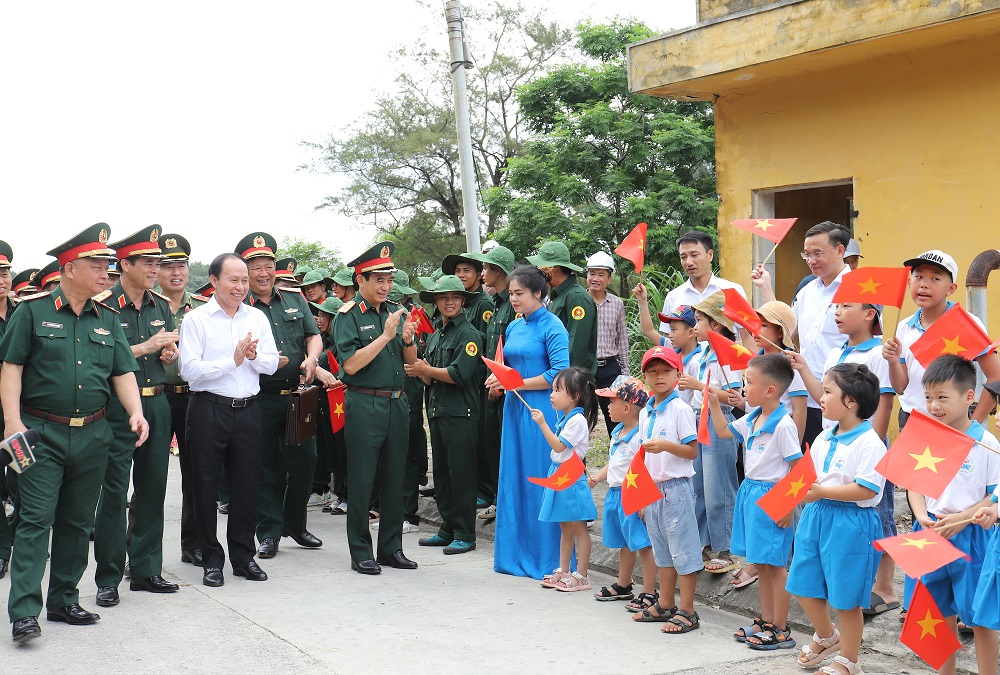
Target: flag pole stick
(768, 256)
(965, 522)
(518, 394)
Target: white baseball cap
(936, 258)
(601, 260)
(852, 249)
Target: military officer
(373, 340)
(479, 306)
(286, 471)
(149, 328)
(72, 351)
(6, 308)
(23, 283)
(285, 273)
(569, 301)
(173, 280)
(48, 277)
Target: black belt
(381, 393)
(177, 389)
(79, 421)
(607, 359)
(225, 400)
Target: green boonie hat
(175, 248)
(344, 277)
(401, 282)
(22, 281)
(498, 256)
(450, 261)
(302, 270)
(6, 254)
(330, 305)
(90, 243)
(553, 254)
(431, 281)
(448, 283)
(316, 276)
(256, 244)
(145, 242)
(48, 274)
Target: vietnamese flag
(740, 311)
(703, 435)
(926, 455)
(920, 552)
(874, 285)
(954, 333)
(419, 317)
(332, 364)
(633, 247)
(498, 357)
(729, 353)
(789, 492)
(507, 376)
(926, 632)
(638, 490)
(565, 475)
(772, 229)
(335, 395)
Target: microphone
(19, 448)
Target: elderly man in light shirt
(225, 346)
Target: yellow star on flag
(869, 286)
(928, 625)
(741, 350)
(926, 460)
(764, 224)
(339, 410)
(630, 479)
(562, 480)
(921, 543)
(952, 346)
(642, 244)
(795, 487)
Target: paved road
(454, 614)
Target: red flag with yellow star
(565, 475)
(638, 488)
(507, 376)
(633, 247)
(703, 436)
(926, 632)
(772, 229)
(419, 317)
(926, 455)
(954, 333)
(874, 285)
(332, 364)
(740, 311)
(789, 492)
(729, 353)
(920, 552)
(335, 395)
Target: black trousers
(178, 424)
(814, 426)
(219, 436)
(606, 374)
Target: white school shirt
(977, 478)
(624, 445)
(770, 443)
(687, 294)
(796, 389)
(691, 363)
(850, 458)
(672, 420)
(818, 334)
(574, 433)
(869, 353)
(721, 377)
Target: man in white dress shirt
(225, 346)
(696, 253)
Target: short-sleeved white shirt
(869, 353)
(691, 364)
(573, 431)
(672, 420)
(721, 376)
(796, 389)
(687, 295)
(978, 477)
(850, 458)
(771, 443)
(818, 334)
(624, 445)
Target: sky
(192, 114)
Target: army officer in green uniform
(479, 305)
(570, 301)
(286, 471)
(373, 339)
(7, 307)
(62, 354)
(453, 374)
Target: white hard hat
(601, 260)
(490, 245)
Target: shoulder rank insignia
(346, 307)
(291, 290)
(34, 296)
(161, 296)
(103, 295)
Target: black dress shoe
(153, 584)
(397, 560)
(224, 508)
(194, 557)
(26, 629)
(74, 615)
(107, 596)
(304, 538)
(4, 565)
(213, 577)
(251, 570)
(268, 548)
(366, 567)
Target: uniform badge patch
(170, 243)
(154, 234)
(578, 313)
(102, 236)
(258, 241)
(102, 331)
(384, 253)
(291, 310)
(471, 348)
(49, 324)
(157, 323)
(487, 315)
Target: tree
(310, 253)
(401, 158)
(603, 159)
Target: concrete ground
(454, 614)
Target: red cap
(665, 354)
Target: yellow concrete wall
(919, 132)
(713, 9)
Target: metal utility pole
(459, 62)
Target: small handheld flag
(508, 377)
(789, 492)
(334, 367)
(565, 475)
(638, 488)
(703, 435)
(740, 311)
(772, 229)
(920, 552)
(731, 354)
(874, 285)
(925, 630)
(633, 247)
(926, 455)
(335, 396)
(954, 333)
(419, 317)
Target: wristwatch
(409, 344)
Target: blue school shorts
(755, 536)
(575, 503)
(986, 606)
(953, 586)
(619, 530)
(673, 528)
(834, 558)
(886, 509)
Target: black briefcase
(300, 420)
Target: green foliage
(310, 253)
(197, 275)
(658, 284)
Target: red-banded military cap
(376, 259)
(257, 244)
(145, 242)
(91, 243)
(6, 254)
(285, 269)
(175, 248)
(23, 282)
(48, 274)
(206, 291)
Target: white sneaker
(409, 527)
(374, 525)
(319, 500)
(590, 523)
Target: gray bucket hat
(448, 283)
(553, 254)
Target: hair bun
(863, 369)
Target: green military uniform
(376, 415)
(453, 415)
(6, 527)
(149, 462)
(23, 282)
(478, 305)
(415, 473)
(286, 471)
(67, 361)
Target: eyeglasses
(815, 256)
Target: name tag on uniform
(104, 331)
(49, 324)
(124, 325)
(371, 327)
(291, 310)
(158, 322)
